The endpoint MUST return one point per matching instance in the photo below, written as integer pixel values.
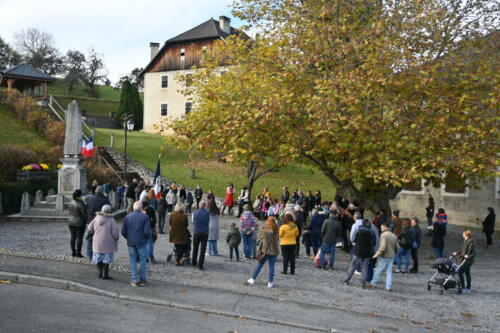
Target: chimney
(224, 22)
(154, 48)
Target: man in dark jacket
(130, 194)
(429, 214)
(285, 196)
(330, 231)
(77, 220)
(137, 230)
(201, 218)
(198, 194)
(364, 242)
(94, 205)
(417, 240)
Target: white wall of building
(155, 96)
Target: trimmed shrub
(12, 159)
(55, 132)
(101, 173)
(38, 120)
(12, 192)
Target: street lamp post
(128, 125)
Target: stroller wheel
(428, 286)
(441, 292)
(169, 258)
(459, 291)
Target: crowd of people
(267, 227)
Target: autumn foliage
(375, 94)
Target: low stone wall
(132, 165)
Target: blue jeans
(90, 253)
(151, 248)
(327, 248)
(212, 248)
(406, 253)
(272, 261)
(383, 264)
(316, 242)
(136, 253)
(247, 244)
(439, 253)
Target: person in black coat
(364, 241)
(489, 226)
(130, 194)
(429, 213)
(330, 231)
(94, 205)
(417, 241)
(437, 243)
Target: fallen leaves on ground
(241, 318)
(182, 290)
(5, 281)
(466, 314)
(373, 314)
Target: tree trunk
(251, 172)
(371, 196)
(252, 175)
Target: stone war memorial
(72, 176)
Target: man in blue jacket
(137, 230)
(201, 218)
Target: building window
(183, 52)
(189, 80)
(164, 81)
(454, 185)
(164, 109)
(188, 106)
(414, 187)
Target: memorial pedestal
(72, 176)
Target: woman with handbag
(268, 250)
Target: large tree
(375, 94)
(95, 71)
(38, 50)
(8, 56)
(130, 103)
(75, 69)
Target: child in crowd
(233, 239)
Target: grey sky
(119, 29)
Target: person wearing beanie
(105, 240)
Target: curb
(55, 283)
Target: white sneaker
(270, 285)
(251, 281)
(357, 273)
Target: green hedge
(12, 192)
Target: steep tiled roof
(26, 71)
(207, 30)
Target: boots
(106, 273)
(99, 269)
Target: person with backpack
(364, 242)
(405, 241)
(233, 240)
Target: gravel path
(410, 302)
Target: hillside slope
(15, 132)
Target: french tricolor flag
(84, 147)
(89, 150)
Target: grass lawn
(16, 132)
(93, 107)
(210, 174)
(105, 92)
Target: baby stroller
(446, 275)
(186, 256)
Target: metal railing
(60, 113)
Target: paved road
(37, 309)
(312, 297)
